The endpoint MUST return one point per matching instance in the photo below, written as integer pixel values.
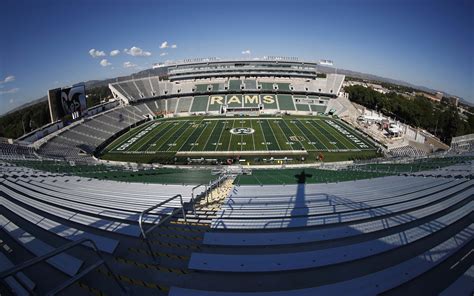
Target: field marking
(315, 126)
(174, 131)
(356, 134)
(339, 136)
(288, 141)
(348, 130)
(197, 139)
(210, 135)
(222, 131)
(241, 136)
(220, 125)
(179, 136)
(149, 137)
(230, 139)
(302, 134)
(335, 139)
(253, 136)
(127, 137)
(310, 141)
(149, 140)
(169, 129)
(316, 136)
(263, 134)
(156, 141)
(305, 136)
(185, 141)
(276, 140)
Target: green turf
(162, 175)
(288, 176)
(312, 135)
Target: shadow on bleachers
(300, 206)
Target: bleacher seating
(260, 230)
(361, 237)
(88, 135)
(184, 104)
(106, 205)
(462, 144)
(16, 151)
(407, 151)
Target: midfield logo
(242, 131)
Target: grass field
(290, 176)
(292, 137)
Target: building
(454, 101)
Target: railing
(14, 270)
(192, 196)
(217, 183)
(142, 214)
(208, 190)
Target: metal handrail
(140, 219)
(192, 196)
(14, 270)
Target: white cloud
(164, 45)
(163, 54)
(129, 65)
(96, 53)
(114, 52)
(105, 63)
(10, 91)
(9, 78)
(247, 51)
(174, 46)
(137, 52)
(11, 101)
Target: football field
(240, 136)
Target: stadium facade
(225, 87)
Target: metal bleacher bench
(103, 243)
(337, 217)
(329, 256)
(74, 216)
(13, 283)
(370, 284)
(313, 235)
(63, 262)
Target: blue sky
(46, 44)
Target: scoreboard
(67, 101)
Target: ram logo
(242, 131)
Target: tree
(441, 120)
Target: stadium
(284, 109)
(232, 177)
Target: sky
(54, 43)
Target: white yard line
(220, 136)
(315, 137)
(200, 134)
(278, 144)
(210, 136)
